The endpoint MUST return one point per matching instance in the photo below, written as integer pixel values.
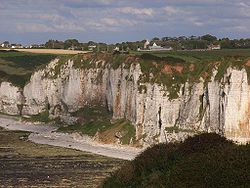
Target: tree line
(177, 43)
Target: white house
(155, 47)
(91, 47)
(16, 46)
(146, 44)
(214, 47)
(116, 49)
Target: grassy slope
(206, 160)
(98, 119)
(17, 67)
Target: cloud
(137, 11)
(171, 10)
(110, 24)
(34, 28)
(42, 28)
(123, 20)
(88, 3)
(69, 27)
(244, 4)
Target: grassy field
(17, 67)
(51, 51)
(26, 164)
(197, 56)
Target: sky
(111, 21)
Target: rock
(220, 106)
(10, 99)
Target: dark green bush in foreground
(206, 160)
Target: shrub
(206, 160)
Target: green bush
(42, 117)
(206, 160)
(93, 119)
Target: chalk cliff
(211, 105)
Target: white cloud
(118, 18)
(110, 24)
(243, 4)
(117, 22)
(69, 27)
(137, 11)
(170, 10)
(41, 28)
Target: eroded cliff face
(11, 99)
(220, 106)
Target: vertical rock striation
(220, 106)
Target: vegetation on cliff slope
(206, 160)
(96, 121)
(170, 69)
(173, 69)
(17, 67)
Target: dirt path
(44, 134)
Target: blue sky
(36, 21)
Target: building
(91, 47)
(36, 46)
(117, 49)
(154, 47)
(16, 46)
(5, 44)
(146, 44)
(214, 47)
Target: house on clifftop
(214, 47)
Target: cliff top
(17, 67)
(167, 68)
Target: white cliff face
(10, 99)
(66, 92)
(220, 106)
(236, 119)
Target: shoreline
(45, 134)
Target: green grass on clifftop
(170, 69)
(206, 160)
(17, 67)
(173, 69)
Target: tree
(209, 38)
(71, 43)
(54, 44)
(155, 39)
